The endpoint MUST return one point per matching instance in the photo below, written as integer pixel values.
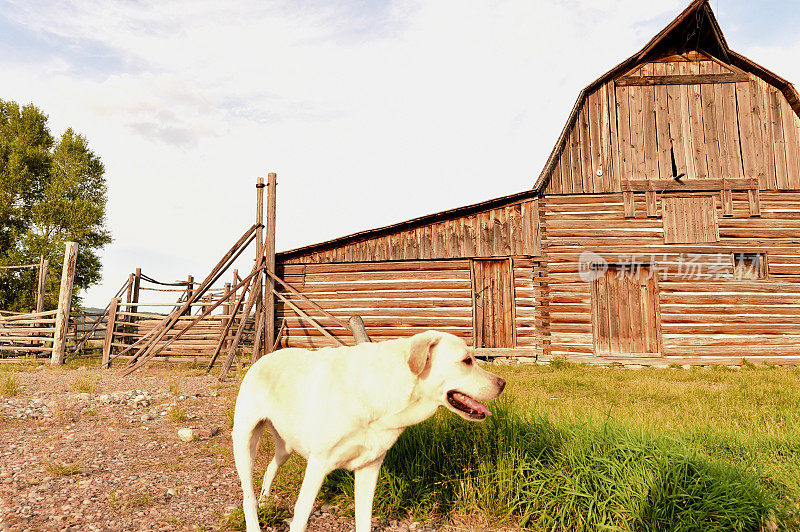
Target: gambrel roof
(695, 29)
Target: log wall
(399, 299)
(735, 127)
(705, 311)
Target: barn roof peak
(695, 29)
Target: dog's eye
(467, 361)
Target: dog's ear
(420, 352)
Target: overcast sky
(370, 112)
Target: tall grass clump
(541, 474)
(8, 385)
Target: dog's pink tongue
(475, 405)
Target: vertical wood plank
(791, 129)
(109, 338)
(624, 133)
(587, 181)
(744, 113)
(778, 139)
(638, 151)
(765, 154)
(754, 202)
(727, 202)
(595, 125)
(629, 204)
(64, 303)
(697, 131)
(607, 184)
(675, 131)
(651, 201)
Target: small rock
(186, 434)
(170, 492)
(84, 396)
(146, 417)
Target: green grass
(9, 387)
(62, 469)
(86, 383)
(574, 447)
(177, 414)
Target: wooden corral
(664, 228)
(40, 332)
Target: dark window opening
(749, 266)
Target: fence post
(64, 301)
(109, 339)
(40, 287)
(226, 312)
(259, 312)
(269, 299)
(189, 294)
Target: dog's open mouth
(464, 403)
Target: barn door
(493, 303)
(625, 315)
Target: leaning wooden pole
(64, 301)
(42, 284)
(269, 253)
(238, 337)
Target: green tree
(51, 192)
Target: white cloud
(370, 112)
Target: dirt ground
(84, 449)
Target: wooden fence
(27, 333)
(128, 325)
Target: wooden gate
(493, 297)
(625, 315)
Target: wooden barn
(664, 228)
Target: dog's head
(448, 374)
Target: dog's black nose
(501, 383)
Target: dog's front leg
(316, 471)
(365, 482)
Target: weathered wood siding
(510, 230)
(739, 127)
(704, 310)
(398, 299)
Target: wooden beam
(308, 318)
(754, 202)
(41, 285)
(356, 325)
(64, 302)
(269, 301)
(112, 317)
(688, 79)
(242, 323)
(259, 304)
(689, 185)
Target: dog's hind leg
(316, 471)
(245, 435)
(282, 453)
(365, 481)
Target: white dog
(345, 407)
